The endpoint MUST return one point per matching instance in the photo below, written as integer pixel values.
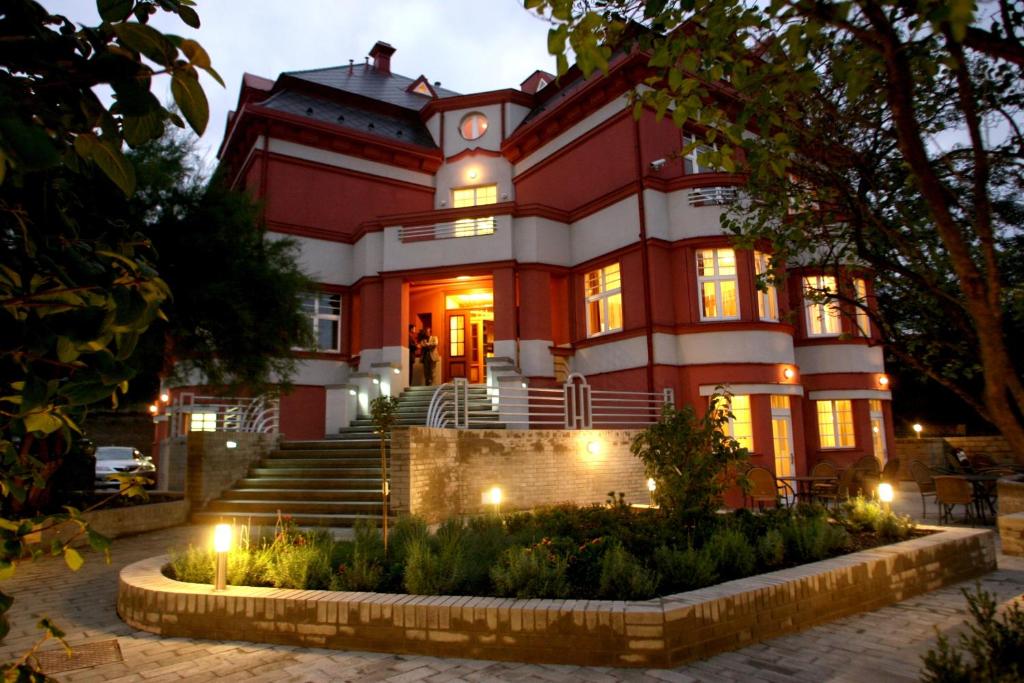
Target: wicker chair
(951, 491)
(891, 472)
(764, 488)
(925, 483)
(868, 474)
(824, 488)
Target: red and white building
(545, 225)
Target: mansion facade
(549, 227)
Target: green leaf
(191, 99)
(47, 423)
(27, 145)
(195, 53)
(148, 41)
(189, 16)
(139, 130)
(114, 10)
(961, 13)
(67, 350)
(73, 559)
(114, 164)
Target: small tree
(691, 459)
(384, 413)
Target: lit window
(604, 300)
(474, 196)
(716, 279)
(691, 162)
(822, 316)
(741, 425)
(203, 422)
(473, 126)
(835, 424)
(863, 320)
(767, 300)
(324, 311)
(422, 89)
(457, 336)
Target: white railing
(574, 405)
(259, 415)
(464, 227)
(712, 196)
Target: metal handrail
(463, 227)
(712, 196)
(259, 415)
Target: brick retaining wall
(663, 632)
(442, 473)
(1010, 494)
(128, 520)
(212, 468)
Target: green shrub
(360, 564)
(305, 565)
(862, 514)
(530, 573)
(733, 555)
(623, 577)
(195, 565)
(483, 543)
(433, 566)
(771, 548)
(684, 570)
(813, 538)
(405, 530)
(994, 646)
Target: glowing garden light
(594, 447)
(494, 497)
(918, 429)
(221, 546)
(885, 495)
(651, 487)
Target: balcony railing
(259, 415)
(712, 196)
(463, 227)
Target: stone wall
(1010, 492)
(994, 446)
(212, 468)
(932, 450)
(438, 473)
(125, 521)
(1011, 533)
(663, 632)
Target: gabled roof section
(401, 128)
(366, 81)
(421, 86)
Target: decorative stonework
(662, 632)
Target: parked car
(122, 460)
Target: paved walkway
(884, 645)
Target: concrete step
(299, 483)
(294, 507)
(307, 494)
(268, 519)
(345, 463)
(328, 445)
(315, 473)
(340, 453)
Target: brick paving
(884, 645)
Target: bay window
(822, 315)
(324, 313)
(767, 299)
(860, 288)
(835, 424)
(480, 195)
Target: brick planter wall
(135, 519)
(1011, 533)
(442, 473)
(1010, 492)
(663, 632)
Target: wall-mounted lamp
(594, 447)
(788, 373)
(883, 380)
(917, 429)
(153, 409)
(397, 371)
(352, 392)
(165, 397)
(473, 174)
(231, 444)
(376, 381)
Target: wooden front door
(470, 339)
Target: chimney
(381, 54)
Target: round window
(473, 125)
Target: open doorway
(459, 311)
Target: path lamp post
(221, 546)
(885, 495)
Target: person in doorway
(414, 347)
(428, 354)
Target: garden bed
(661, 632)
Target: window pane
(457, 335)
(593, 283)
(309, 303)
(615, 312)
(710, 300)
(844, 420)
(706, 262)
(488, 194)
(612, 277)
(726, 261)
(875, 405)
(742, 422)
(327, 335)
(780, 402)
(330, 304)
(729, 303)
(462, 198)
(594, 318)
(826, 427)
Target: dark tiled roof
(403, 129)
(366, 81)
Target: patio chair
(845, 486)
(824, 469)
(867, 476)
(891, 472)
(950, 491)
(925, 483)
(764, 487)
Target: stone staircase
(333, 483)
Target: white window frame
(827, 313)
(717, 279)
(836, 432)
(315, 316)
(470, 227)
(603, 297)
(768, 300)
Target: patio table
(984, 491)
(804, 485)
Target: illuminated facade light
(788, 373)
(885, 492)
(883, 380)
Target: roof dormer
(421, 86)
